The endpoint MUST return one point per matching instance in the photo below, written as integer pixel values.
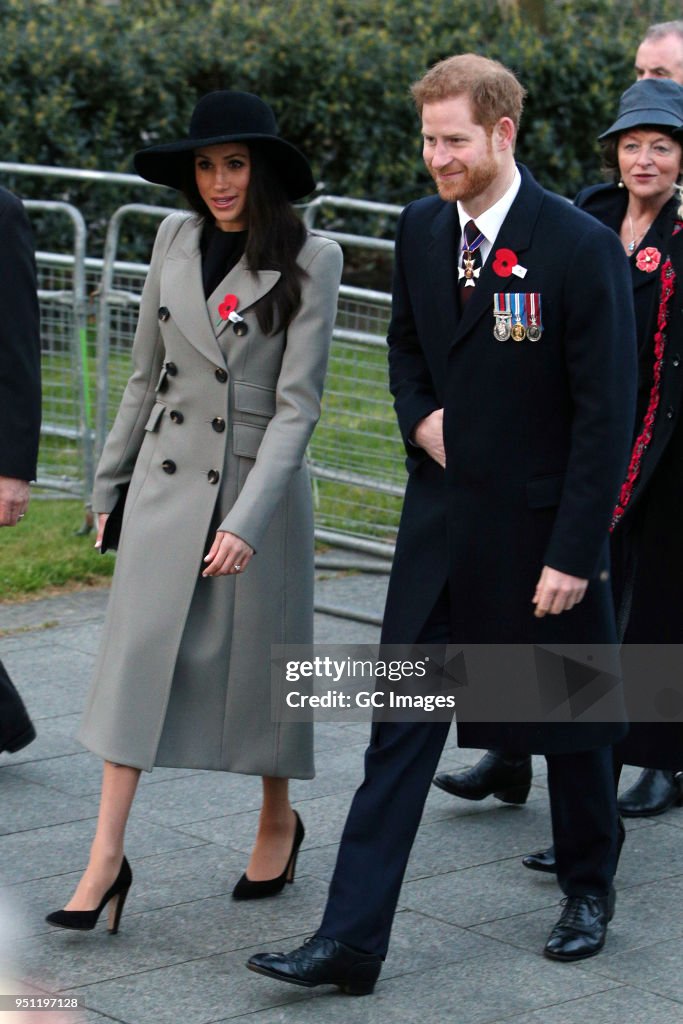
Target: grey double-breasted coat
(211, 433)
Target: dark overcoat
(537, 435)
(647, 541)
(19, 344)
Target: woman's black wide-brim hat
(228, 116)
(656, 102)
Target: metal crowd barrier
(66, 449)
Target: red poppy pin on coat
(227, 307)
(648, 259)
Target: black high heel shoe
(248, 890)
(85, 920)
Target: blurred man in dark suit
(19, 411)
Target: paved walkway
(472, 922)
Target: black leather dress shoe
(506, 778)
(544, 860)
(654, 792)
(541, 860)
(322, 961)
(582, 927)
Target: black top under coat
(220, 250)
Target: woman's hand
(101, 522)
(229, 555)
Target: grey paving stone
(78, 774)
(323, 819)
(58, 761)
(624, 1005)
(654, 968)
(27, 806)
(476, 837)
(54, 684)
(74, 606)
(486, 893)
(57, 850)
(329, 630)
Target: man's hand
(428, 434)
(14, 496)
(557, 592)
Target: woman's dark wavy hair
(610, 155)
(274, 240)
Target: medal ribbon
(532, 303)
(501, 304)
(518, 307)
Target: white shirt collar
(491, 221)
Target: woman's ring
(237, 568)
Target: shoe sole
(281, 977)
(516, 795)
(345, 987)
(541, 868)
(570, 959)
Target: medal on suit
(503, 316)
(468, 271)
(518, 330)
(532, 305)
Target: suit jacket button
(670, 412)
(213, 476)
(241, 329)
(171, 369)
(168, 466)
(176, 416)
(218, 424)
(221, 374)
(164, 313)
(676, 360)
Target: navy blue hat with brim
(228, 116)
(656, 102)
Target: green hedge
(85, 84)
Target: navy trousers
(386, 810)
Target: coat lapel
(443, 266)
(197, 317)
(248, 288)
(183, 291)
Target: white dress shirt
(490, 221)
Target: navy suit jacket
(19, 344)
(537, 434)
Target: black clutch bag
(112, 529)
